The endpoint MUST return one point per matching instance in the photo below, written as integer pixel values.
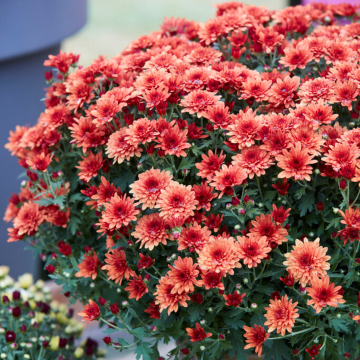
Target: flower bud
(202, 322)
(202, 348)
(125, 303)
(254, 306)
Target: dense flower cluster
(203, 184)
(33, 326)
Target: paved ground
(112, 25)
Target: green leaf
(278, 350)
(74, 224)
(338, 325)
(143, 350)
(238, 346)
(140, 333)
(306, 203)
(334, 223)
(300, 192)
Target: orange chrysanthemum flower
(210, 164)
(269, 38)
(91, 312)
(199, 102)
(141, 131)
(136, 288)
(244, 129)
(346, 93)
(281, 315)
(257, 89)
(184, 274)
(341, 155)
(295, 163)
(117, 267)
(119, 211)
(204, 194)
(106, 109)
(150, 231)
(155, 97)
(284, 91)
(194, 237)
(89, 166)
(219, 115)
(228, 177)
(28, 219)
(252, 249)
(234, 299)
(219, 255)
(166, 299)
(319, 114)
(315, 90)
(255, 337)
(176, 200)
(173, 141)
(105, 192)
(323, 293)
(197, 334)
(89, 265)
(276, 141)
(298, 57)
(308, 139)
(119, 149)
(265, 226)
(253, 160)
(147, 188)
(212, 279)
(40, 161)
(307, 261)
(153, 310)
(14, 144)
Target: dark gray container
(30, 31)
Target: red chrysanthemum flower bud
(150, 149)
(334, 234)
(197, 298)
(50, 268)
(281, 187)
(235, 201)
(343, 184)
(221, 336)
(107, 340)
(357, 260)
(10, 336)
(173, 99)
(161, 108)
(65, 249)
(62, 343)
(140, 106)
(67, 294)
(295, 351)
(105, 167)
(5, 299)
(87, 249)
(48, 75)
(185, 351)
(102, 301)
(32, 175)
(16, 295)
(209, 127)
(354, 115)
(320, 206)
(347, 355)
(275, 295)
(23, 328)
(114, 308)
(288, 280)
(287, 226)
(246, 198)
(45, 344)
(16, 311)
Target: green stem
(292, 334)
(354, 202)
(259, 187)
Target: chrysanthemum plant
(203, 185)
(35, 327)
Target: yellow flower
(54, 343)
(79, 352)
(25, 280)
(39, 318)
(4, 270)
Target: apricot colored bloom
(351, 217)
(257, 89)
(88, 266)
(319, 114)
(184, 274)
(212, 279)
(253, 160)
(341, 155)
(80, 93)
(255, 337)
(234, 299)
(345, 93)
(62, 61)
(197, 334)
(89, 166)
(283, 92)
(264, 225)
(314, 90)
(281, 315)
(147, 188)
(14, 235)
(199, 102)
(204, 194)
(307, 261)
(244, 129)
(219, 115)
(296, 58)
(339, 50)
(308, 139)
(252, 249)
(211, 30)
(176, 200)
(91, 312)
(269, 38)
(105, 192)
(119, 149)
(150, 231)
(276, 141)
(136, 288)
(210, 164)
(28, 219)
(40, 161)
(116, 266)
(14, 144)
(228, 177)
(166, 299)
(194, 236)
(323, 293)
(173, 141)
(155, 97)
(141, 131)
(119, 211)
(295, 163)
(219, 255)
(106, 109)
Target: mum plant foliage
(33, 326)
(203, 185)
